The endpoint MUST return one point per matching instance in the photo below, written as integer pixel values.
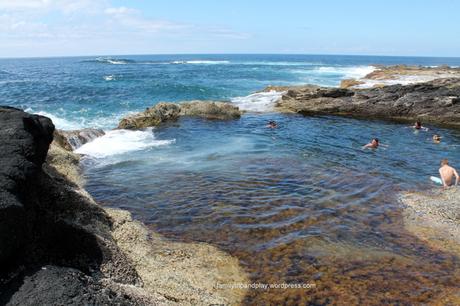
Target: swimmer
(447, 174)
(272, 124)
(436, 138)
(374, 144)
(418, 126)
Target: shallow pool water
(303, 203)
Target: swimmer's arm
(456, 177)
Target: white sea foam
(121, 141)
(354, 72)
(202, 62)
(113, 61)
(79, 119)
(109, 77)
(402, 80)
(258, 102)
(267, 63)
(59, 123)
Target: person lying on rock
(418, 126)
(447, 174)
(374, 144)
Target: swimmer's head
(436, 137)
(444, 162)
(375, 140)
(418, 124)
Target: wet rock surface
(164, 112)
(435, 101)
(72, 140)
(58, 247)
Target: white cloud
(133, 19)
(66, 6)
(93, 24)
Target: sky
(39, 28)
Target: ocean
(301, 203)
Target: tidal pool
(300, 204)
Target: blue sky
(103, 27)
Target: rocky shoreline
(401, 74)
(436, 102)
(58, 247)
(434, 217)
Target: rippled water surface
(299, 204)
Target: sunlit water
(299, 204)
(303, 203)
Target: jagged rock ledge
(58, 247)
(163, 112)
(436, 101)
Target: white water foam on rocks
(59, 123)
(121, 141)
(354, 72)
(258, 102)
(79, 121)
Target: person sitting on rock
(374, 144)
(418, 126)
(447, 174)
(272, 124)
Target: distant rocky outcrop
(72, 140)
(437, 101)
(58, 247)
(401, 74)
(397, 71)
(164, 112)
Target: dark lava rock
(52, 285)
(47, 220)
(24, 142)
(435, 101)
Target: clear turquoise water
(291, 203)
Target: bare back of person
(447, 174)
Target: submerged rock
(58, 247)
(164, 112)
(72, 140)
(435, 101)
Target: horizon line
(175, 54)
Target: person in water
(447, 174)
(374, 144)
(418, 126)
(436, 138)
(272, 124)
